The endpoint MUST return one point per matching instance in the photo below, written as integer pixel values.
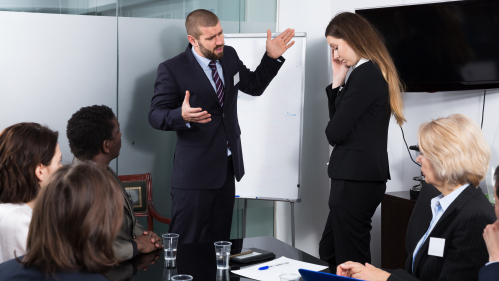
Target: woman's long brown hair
(75, 221)
(363, 38)
(23, 147)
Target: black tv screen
(443, 46)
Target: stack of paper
(272, 274)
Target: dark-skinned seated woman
(74, 223)
(444, 237)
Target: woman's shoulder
(14, 270)
(9, 211)
(368, 70)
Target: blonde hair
(456, 149)
(363, 38)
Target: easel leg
(245, 212)
(293, 223)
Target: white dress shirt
(361, 61)
(438, 205)
(14, 226)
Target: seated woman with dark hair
(29, 153)
(75, 221)
(444, 236)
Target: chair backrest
(136, 187)
(139, 188)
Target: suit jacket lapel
(192, 66)
(227, 78)
(442, 224)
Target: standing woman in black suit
(359, 114)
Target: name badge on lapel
(236, 78)
(436, 247)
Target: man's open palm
(277, 46)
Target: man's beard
(211, 55)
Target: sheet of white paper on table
(272, 274)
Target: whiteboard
(271, 125)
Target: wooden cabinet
(396, 210)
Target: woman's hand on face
(491, 237)
(340, 70)
(359, 271)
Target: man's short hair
(88, 128)
(199, 18)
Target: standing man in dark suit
(195, 94)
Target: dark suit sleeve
(361, 92)
(255, 82)
(489, 272)
(464, 254)
(166, 104)
(331, 98)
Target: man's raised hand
(193, 114)
(277, 46)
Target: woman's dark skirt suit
(359, 115)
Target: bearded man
(195, 94)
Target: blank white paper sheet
(272, 274)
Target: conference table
(199, 261)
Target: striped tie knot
(213, 65)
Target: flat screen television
(444, 46)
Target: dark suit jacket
(489, 272)
(201, 153)
(359, 116)
(461, 226)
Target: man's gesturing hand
(277, 46)
(193, 114)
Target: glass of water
(170, 242)
(182, 278)
(222, 250)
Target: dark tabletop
(199, 261)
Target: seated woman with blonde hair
(29, 153)
(75, 221)
(444, 236)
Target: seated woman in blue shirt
(74, 224)
(444, 236)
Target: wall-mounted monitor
(443, 46)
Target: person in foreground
(76, 218)
(359, 116)
(94, 135)
(29, 153)
(195, 94)
(490, 272)
(446, 243)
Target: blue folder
(309, 275)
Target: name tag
(436, 247)
(236, 79)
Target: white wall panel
(51, 65)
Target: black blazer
(489, 272)
(461, 226)
(359, 116)
(201, 153)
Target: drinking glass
(222, 250)
(170, 242)
(289, 277)
(182, 278)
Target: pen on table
(267, 267)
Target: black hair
(88, 128)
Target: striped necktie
(220, 88)
(218, 82)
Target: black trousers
(347, 235)
(204, 215)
